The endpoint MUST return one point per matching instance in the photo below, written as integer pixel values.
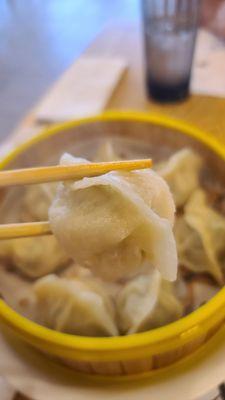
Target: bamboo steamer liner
(138, 354)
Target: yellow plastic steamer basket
(137, 354)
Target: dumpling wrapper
(36, 201)
(147, 302)
(117, 224)
(17, 292)
(200, 236)
(33, 256)
(75, 306)
(181, 172)
(183, 293)
(106, 152)
(202, 292)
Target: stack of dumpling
(119, 227)
(199, 229)
(34, 257)
(111, 265)
(200, 235)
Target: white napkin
(84, 89)
(208, 77)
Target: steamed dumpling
(200, 236)
(201, 291)
(34, 257)
(181, 172)
(136, 301)
(147, 302)
(75, 306)
(106, 152)
(194, 292)
(117, 224)
(36, 202)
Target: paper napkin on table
(208, 76)
(84, 89)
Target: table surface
(207, 113)
(124, 40)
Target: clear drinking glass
(170, 28)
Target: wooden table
(207, 113)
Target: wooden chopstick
(30, 176)
(51, 174)
(22, 230)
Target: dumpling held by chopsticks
(118, 224)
